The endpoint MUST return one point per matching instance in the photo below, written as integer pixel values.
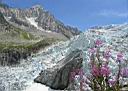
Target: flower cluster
(124, 72)
(75, 72)
(119, 57)
(101, 78)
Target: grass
(11, 52)
(30, 47)
(24, 35)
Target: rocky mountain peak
(37, 6)
(39, 18)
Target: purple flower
(78, 72)
(81, 73)
(112, 82)
(95, 71)
(107, 54)
(92, 50)
(105, 71)
(124, 72)
(98, 42)
(72, 75)
(119, 57)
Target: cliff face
(39, 18)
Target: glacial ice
(21, 77)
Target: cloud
(110, 13)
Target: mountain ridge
(43, 20)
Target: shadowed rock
(12, 57)
(58, 76)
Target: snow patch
(32, 21)
(37, 87)
(101, 30)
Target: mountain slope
(16, 44)
(9, 33)
(36, 18)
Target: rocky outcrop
(12, 56)
(57, 77)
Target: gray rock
(12, 57)
(58, 76)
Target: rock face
(11, 57)
(58, 76)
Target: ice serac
(58, 76)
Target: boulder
(58, 76)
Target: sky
(82, 14)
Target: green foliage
(28, 47)
(41, 44)
(24, 35)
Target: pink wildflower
(112, 82)
(107, 55)
(92, 50)
(81, 73)
(105, 71)
(95, 71)
(98, 42)
(72, 76)
(119, 57)
(75, 72)
(124, 72)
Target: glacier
(20, 77)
